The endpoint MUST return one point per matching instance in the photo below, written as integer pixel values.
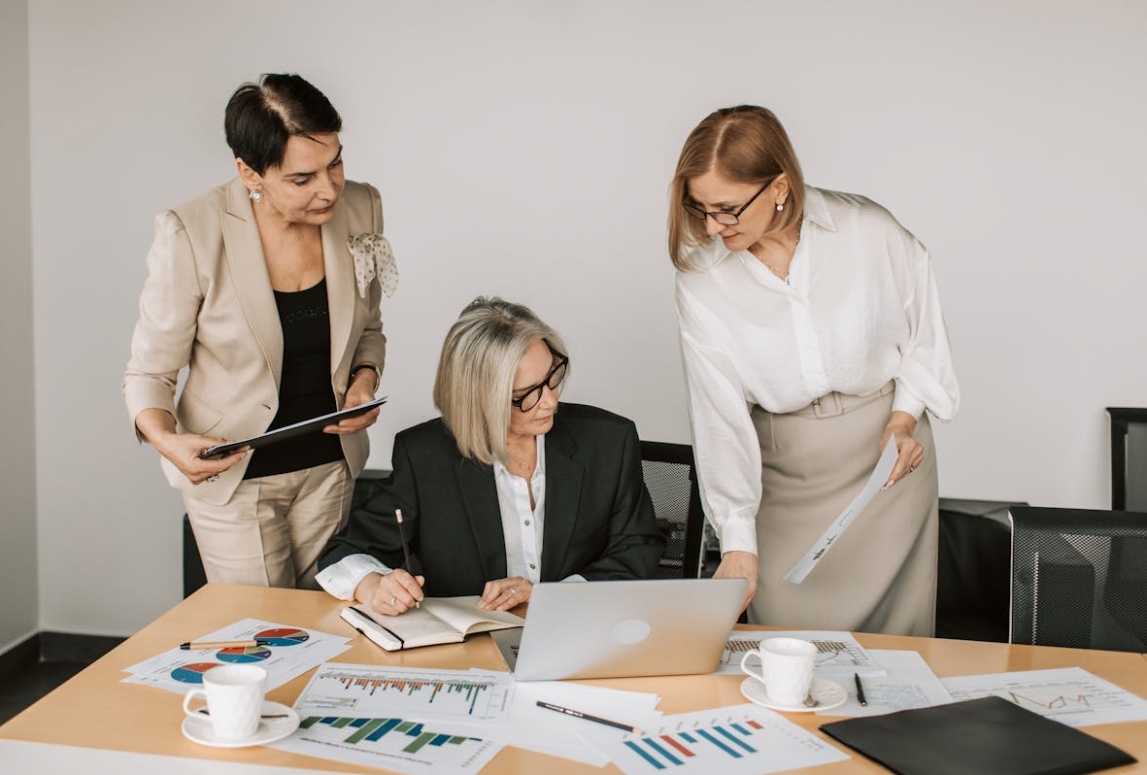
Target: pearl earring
(780, 207)
(256, 195)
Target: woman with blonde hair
(508, 488)
(811, 335)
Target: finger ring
(513, 591)
(393, 600)
(911, 469)
(213, 478)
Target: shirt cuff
(575, 577)
(343, 578)
(904, 401)
(739, 535)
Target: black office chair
(1128, 458)
(671, 480)
(1079, 578)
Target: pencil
(860, 690)
(405, 548)
(219, 644)
(588, 717)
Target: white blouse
(859, 308)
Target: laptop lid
(615, 629)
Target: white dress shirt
(859, 308)
(522, 527)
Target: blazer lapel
(480, 499)
(563, 494)
(341, 287)
(248, 268)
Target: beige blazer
(207, 305)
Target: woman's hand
(909, 452)
(739, 565)
(392, 594)
(183, 449)
(504, 594)
(360, 391)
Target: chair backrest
(1079, 578)
(670, 477)
(1128, 458)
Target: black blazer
(599, 519)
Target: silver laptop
(615, 629)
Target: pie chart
(193, 673)
(244, 654)
(282, 636)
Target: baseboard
(55, 647)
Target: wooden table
(95, 710)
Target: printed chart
(393, 743)
(370, 691)
(838, 652)
(735, 740)
(1070, 695)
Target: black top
(305, 388)
(599, 519)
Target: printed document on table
(907, 683)
(838, 653)
(872, 487)
(1070, 695)
(284, 651)
(733, 740)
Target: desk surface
(96, 710)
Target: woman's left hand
(361, 391)
(504, 594)
(909, 452)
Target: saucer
(828, 694)
(198, 728)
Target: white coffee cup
(786, 669)
(234, 695)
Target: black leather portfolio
(985, 736)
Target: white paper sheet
(838, 652)
(872, 487)
(291, 651)
(1070, 695)
(907, 682)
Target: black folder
(985, 736)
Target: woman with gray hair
(502, 491)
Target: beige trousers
(272, 530)
(880, 576)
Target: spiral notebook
(984, 736)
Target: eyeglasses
(528, 400)
(722, 217)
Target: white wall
(18, 588)
(525, 148)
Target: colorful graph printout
(243, 655)
(734, 740)
(371, 691)
(192, 673)
(393, 743)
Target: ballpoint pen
(860, 691)
(588, 717)
(405, 548)
(221, 644)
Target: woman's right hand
(183, 449)
(392, 594)
(739, 565)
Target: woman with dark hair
(507, 489)
(267, 290)
(812, 336)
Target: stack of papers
(283, 650)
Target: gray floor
(32, 683)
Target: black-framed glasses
(528, 400)
(722, 217)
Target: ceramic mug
(786, 669)
(234, 695)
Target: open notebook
(438, 620)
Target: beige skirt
(880, 576)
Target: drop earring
(256, 195)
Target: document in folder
(985, 736)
